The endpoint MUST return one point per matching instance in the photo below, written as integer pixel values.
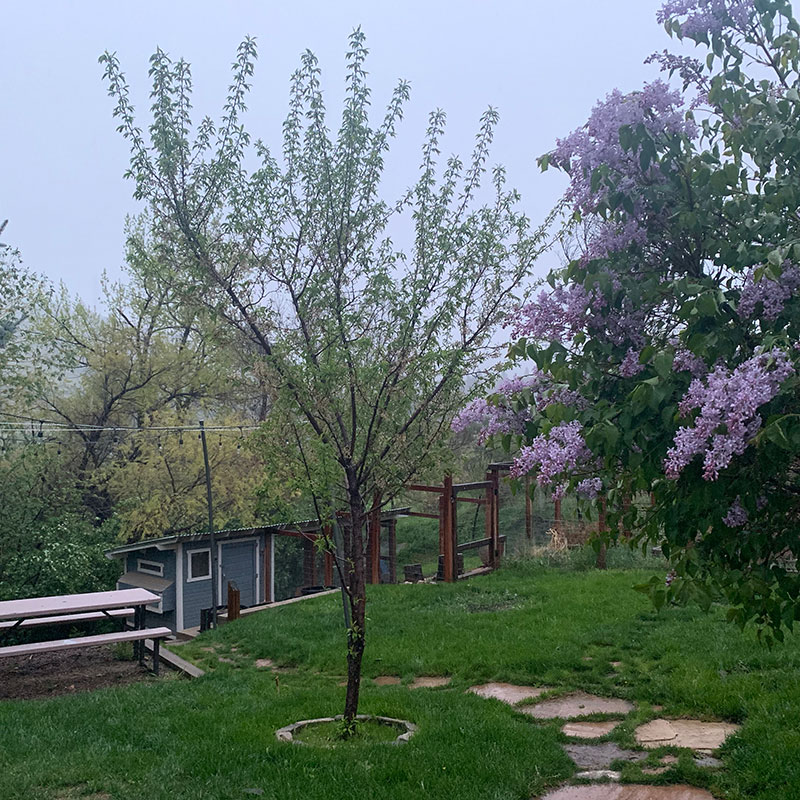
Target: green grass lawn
(214, 737)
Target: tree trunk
(357, 593)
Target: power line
(18, 425)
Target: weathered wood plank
(74, 603)
(92, 616)
(469, 487)
(84, 641)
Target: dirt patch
(45, 675)
(429, 682)
(387, 680)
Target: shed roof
(168, 542)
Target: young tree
(365, 344)
(666, 352)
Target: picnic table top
(74, 603)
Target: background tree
(20, 292)
(365, 345)
(139, 357)
(663, 358)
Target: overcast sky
(542, 63)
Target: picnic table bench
(73, 608)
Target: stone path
(628, 791)
(594, 760)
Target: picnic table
(68, 609)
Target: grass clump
(337, 734)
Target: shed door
(238, 563)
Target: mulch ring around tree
(43, 675)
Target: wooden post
(443, 514)
(374, 546)
(309, 567)
(454, 533)
(328, 558)
(626, 507)
(448, 551)
(528, 509)
(600, 563)
(488, 507)
(392, 551)
(269, 578)
(234, 603)
(494, 550)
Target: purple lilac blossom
(686, 360)
(656, 106)
(495, 416)
(630, 365)
(536, 382)
(567, 397)
(589, 487)
(560, 314)
(492, 418)
(728, 401)
(690, 69)
(770, 293)
(553, 454)
(553, 316)
(706, 17)
(737, 515)
(613, 236)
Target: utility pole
(214, 567)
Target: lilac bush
(673, 331)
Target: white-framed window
(158, 607)
(150, 567)
(199, 565)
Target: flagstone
(692, 733)
(589, 730)
(508, 692)
(577, 704)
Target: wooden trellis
(450, 495)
